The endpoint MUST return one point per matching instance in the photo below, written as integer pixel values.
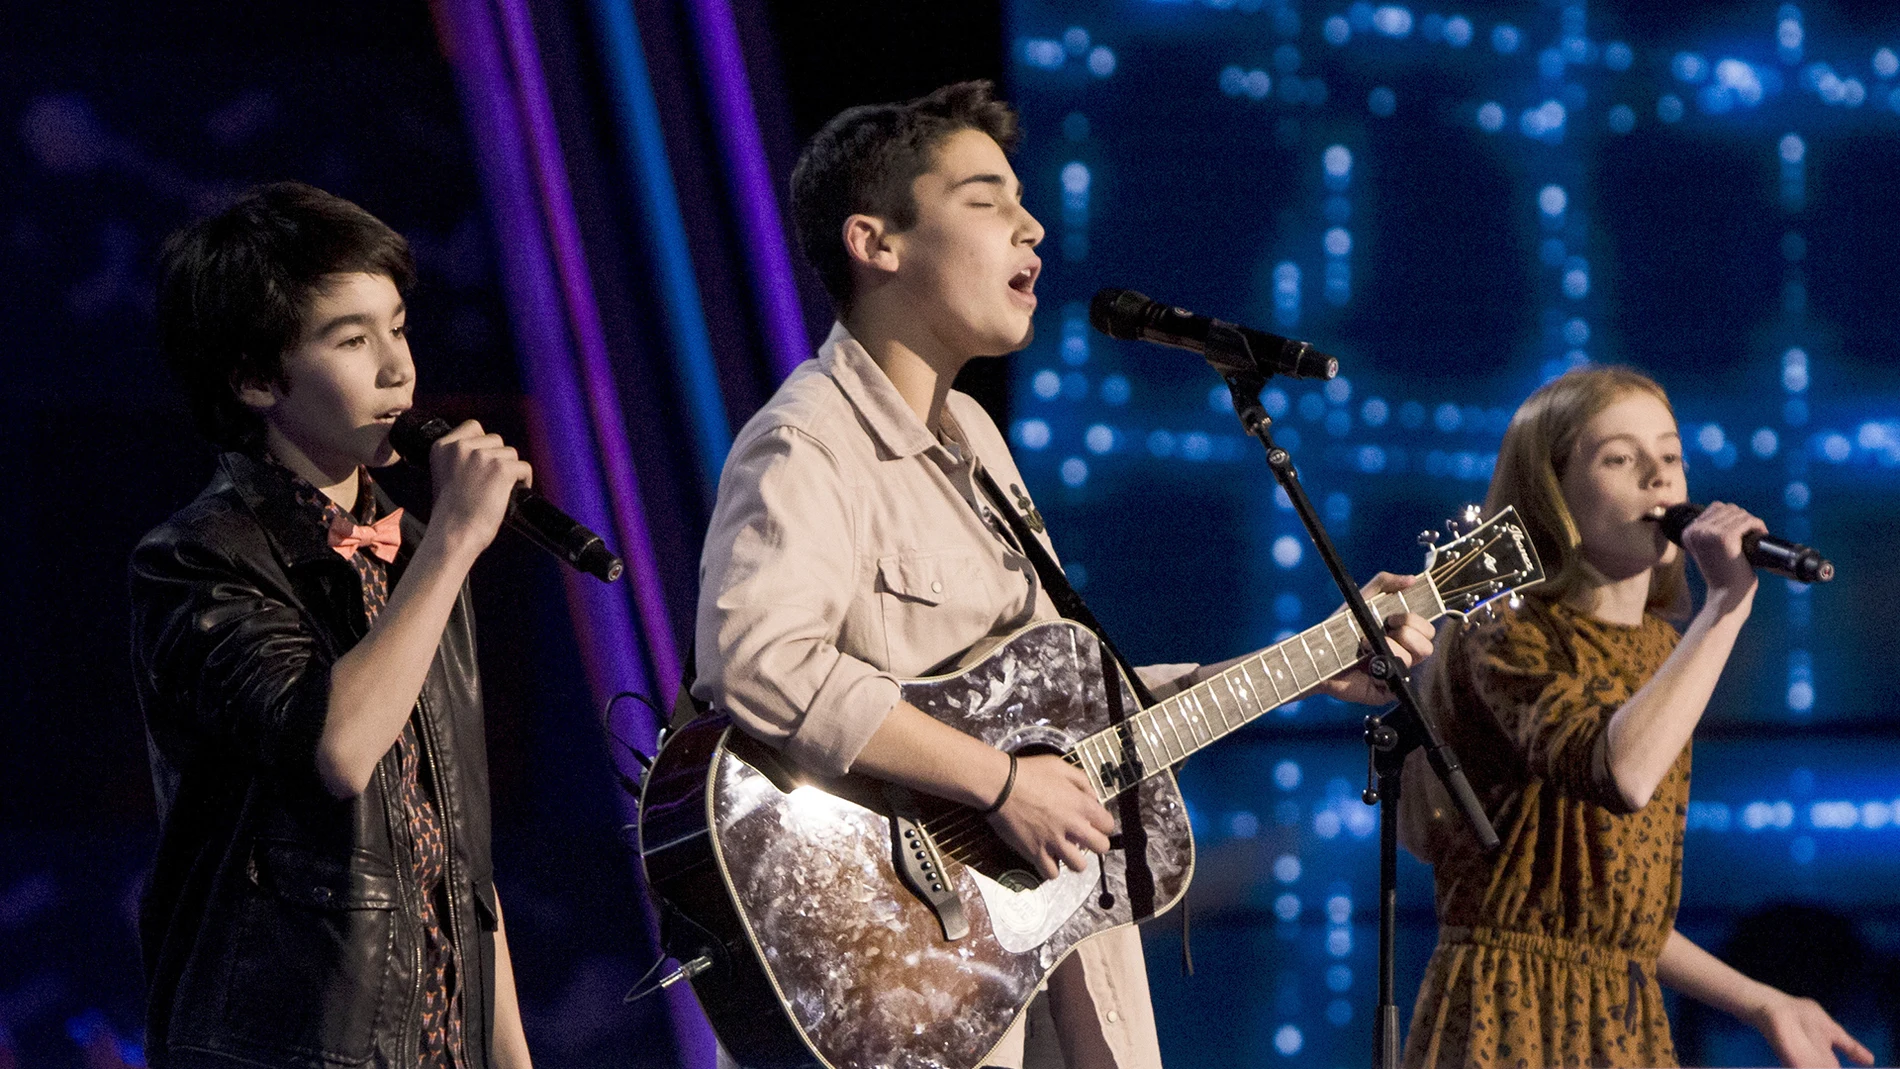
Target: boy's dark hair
(234, 289)
(865, 159)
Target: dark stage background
(1457, 200)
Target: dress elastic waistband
(1592, 955)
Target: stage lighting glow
(1711, 438)
(1075, 472)
(1101, 61)
(1622, 119)
(1457, 31)
(1099, 438)
(1243, 825)
(1794, 370)
(1287, 907)
(1047, 385)
(1115, 390)
(1337, 30)
(1393, 20)
(1288, 1040)
(1669, 107)
(1689, 67)
(1551, 200)
(1836, 448)
(1764, 443)
(1043, 53)
(1339, 909)
(1491, 117)
(1287, 551)
(1504, 38)
(1286, 774)
(1032, 434)
(1618, 56)
(1795, 495)
(1286, 868)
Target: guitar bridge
(915, 857)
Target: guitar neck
(1169, 731)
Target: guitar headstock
(1486, 560)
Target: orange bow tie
(383, 538)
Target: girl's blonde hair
(1530, 470)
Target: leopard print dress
(1547, 949)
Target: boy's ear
(867, 242)
(254, 391)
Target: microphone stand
(1389, 736)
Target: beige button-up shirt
(850, 548)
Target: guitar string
(967, 827)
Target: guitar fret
(1192, 713)
(1333, 628)
(1167, 716)
(1153, 759)
(1171, 728)
(1226, 679)
(1285, 685)
(1211, 693)
(1326, 660)
(1199, 717)
(1244, 697)
(1311, 676)
(1208, 693)
(1091, 767)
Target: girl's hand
(1714, 540)
(1802, 1033)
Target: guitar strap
(1067, 601)
(1134, 834)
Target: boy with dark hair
(851, 546)
(304, 656)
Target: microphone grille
(1676, 518)
(1119, 313)
(413, 433)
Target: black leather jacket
(280, 925)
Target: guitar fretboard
(1169, 731)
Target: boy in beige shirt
(850, 546)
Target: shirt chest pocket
(936, 605)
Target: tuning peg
(1473, 514)
(1428, 537)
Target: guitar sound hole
(1019, 880)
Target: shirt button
(937, 587)
(1113, 1016)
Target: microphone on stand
(1131, 316)
(529, 514)
(1764, 551)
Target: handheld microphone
(529, 514)
(1231, 349)
(1799, 562)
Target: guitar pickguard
(1022, 920)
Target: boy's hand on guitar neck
(1051, 816)
(1409, 634)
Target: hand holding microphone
(1761, 549)
(479, 459)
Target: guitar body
(849, 924)
(823, 953)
